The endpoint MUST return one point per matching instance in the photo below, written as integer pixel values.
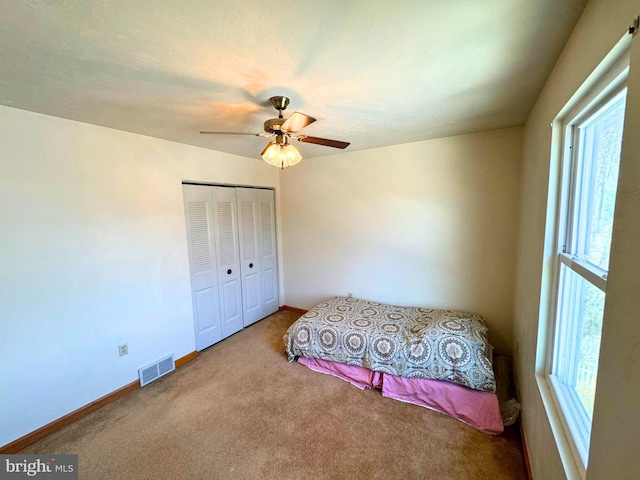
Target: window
(592, 145)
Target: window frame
(609, 82)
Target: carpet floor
(241, 411)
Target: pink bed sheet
(473, 407)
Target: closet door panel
(270, 283)
(249, 255)
(268, 252)
(226, 228)
(229, 297)
(205, 306)
(251, 293)
(202, 263)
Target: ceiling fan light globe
(291, 154)
(272, 155)
(281, 156)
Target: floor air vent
(156, 370)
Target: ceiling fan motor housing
(274, 125)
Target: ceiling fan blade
(238, 133)
(268, 145)
(296, 122)
(323, 141)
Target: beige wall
(93, 254)
(615, 432)
(429, 223)
(616, 427)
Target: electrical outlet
(349, 295)
(123, 349)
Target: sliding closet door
(202, 261)
(226, 235)
(248, 212)
(268, 252)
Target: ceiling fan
(279, 152)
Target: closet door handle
(251, 265)
(229, 272)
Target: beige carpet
(241, 411)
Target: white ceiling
(373, 73)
